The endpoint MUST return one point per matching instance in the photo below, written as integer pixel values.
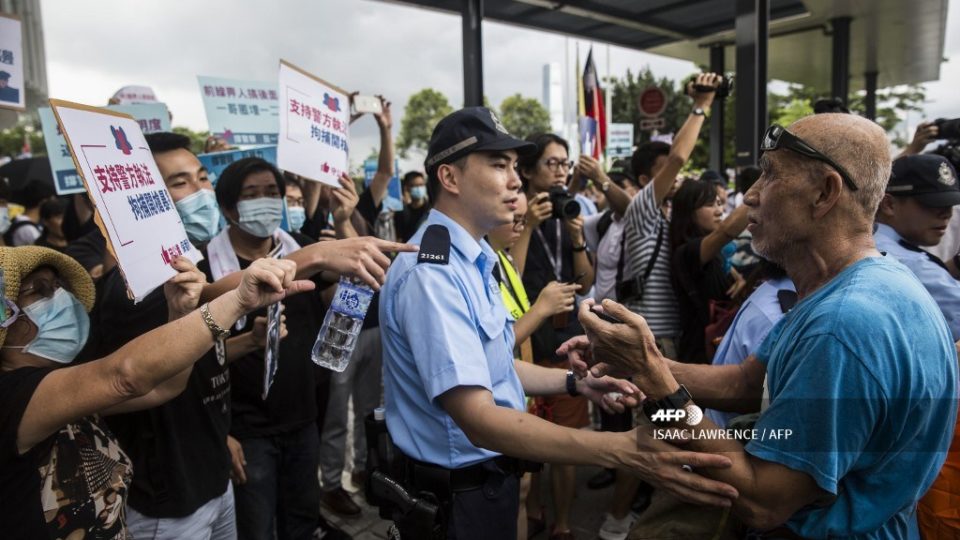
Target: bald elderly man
(861, 373)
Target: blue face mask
(418, 192)
(260, 217)
(200, 215)
(62, 327)
(296, 216)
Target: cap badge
(497, 124)
(946, 175)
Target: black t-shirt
(695, 285)
(73, 484)
(538, 272)
(292, 401)
(179, 449)
(21, 514)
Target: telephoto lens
(948, 129)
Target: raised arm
(730, 228)
(344, 201)
(139, 366)
(378, 186)
(686, 138)
(617, 199)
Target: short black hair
(230, 183)
(407, 178)
(165, 141)
(433, 181)
(646, 155)
(52, 208)
(830, 105)
(31, 194)
(529, 161)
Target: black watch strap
(674, 401)
(572, 384)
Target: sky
(93, 48)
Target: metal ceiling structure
(840, 45)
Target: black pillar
(472, 15)
(716, 114)
(840, 79)
(870, 100)
(751, 27)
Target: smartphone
(576, 280)
(367, 104)
(605, 317)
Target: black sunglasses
(778, 137)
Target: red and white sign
(314, 126)
(652, 102)
(133, 208)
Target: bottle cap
(379, 413)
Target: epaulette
(435, 245)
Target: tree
(524, 116)
(198, 139)
(423, 111)
(12, 139)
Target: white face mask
(260, 217)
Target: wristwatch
(605, 186)
(572, 384)
(698, 112)
(674, 402)
(219, 333)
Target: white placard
(12, 88)
(134, 210)
(314, 126)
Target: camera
(948, 129)
(565, 206)
(722, 91)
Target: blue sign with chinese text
(243, 113)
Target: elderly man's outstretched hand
(267, 281)
(626, 347)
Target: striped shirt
(658, 306)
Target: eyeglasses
(554, 164)
(778, 137)
(519, 223)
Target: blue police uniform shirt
(749, 328)
(444, 326)
(944, 289)
(864, 373)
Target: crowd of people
(777, 360)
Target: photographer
(557, 253)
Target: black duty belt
(436, 479)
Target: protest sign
(12, 89)
(216, 162)
(241, 112)
(620, 140)
(314, 126)
(394, 197)
(132, 206)
(152, 118)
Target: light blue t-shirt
(444, 326)
(943, 287)
(749, 328)
(864, 373)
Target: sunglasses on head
(778, 137)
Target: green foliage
(197, 138)
(424, 109)
(892, 105)
(524, 116)
(11, 140)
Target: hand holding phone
(366, 104)
(598, 311)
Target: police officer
(454, 394)
(915, 212)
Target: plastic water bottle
(341, 325)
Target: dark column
(870, 100)
(751, 95)
(472, 15)
(716, 114)
(840, 79)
